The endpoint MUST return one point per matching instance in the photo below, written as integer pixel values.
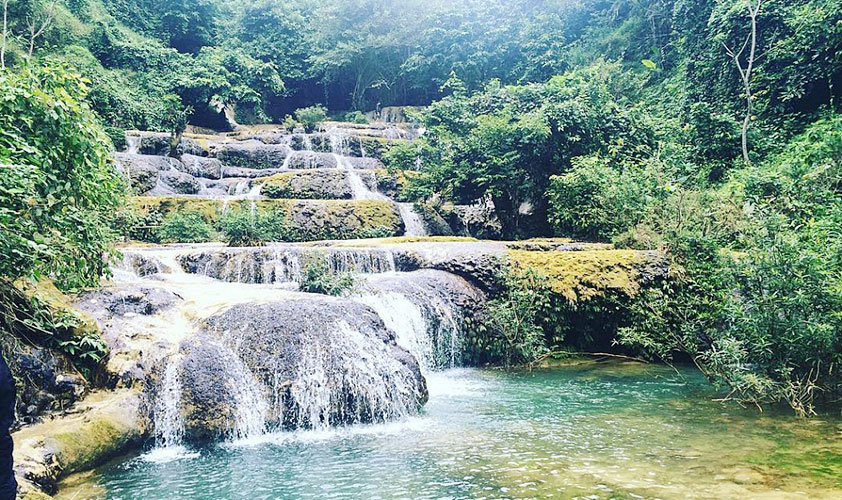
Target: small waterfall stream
(167, 419)
(132, 144)
(413, 223)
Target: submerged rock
(316, 361)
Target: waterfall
(166, 415)
(132, 144)
(281, 263)
(250, 406)
(413, 224)
(372, 384)
(406, 319)
(426, 310)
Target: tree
(745, 72)
(4, 35)
(37, 24)
(58, 184)
(174, 119)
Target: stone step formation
(329, 182)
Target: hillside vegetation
(709, 129)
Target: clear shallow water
(616, 431)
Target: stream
(595, 431)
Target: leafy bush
(355, 117)
(311, 116)
(185, 227)
(594, 201)
(375, 232)
(58, 184)
(759, 312)
(32, 320)
(318, 277)
(512, 331)
(251, 228)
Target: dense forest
(709, 129)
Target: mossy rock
(312, 219)
(394, 184)
(101, 427)
(59, 304)
(331, 184)
(585, 275)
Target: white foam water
(167, 418)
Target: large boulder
(311, 159)
(143, 171)
(311, 362)
(200, 166)
(341, 219)
(252, 154)
(180, 182)
(158, 144)
(322, 184)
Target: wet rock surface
(309, 184)
(311, 159)
(251, 154)
(317, 361)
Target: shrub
(375, 232)
(310, 117)
(289, 123)
(355, 117)
(597, 202)
(317, 277)
(251, 228)
(185, 227)
(512, 332)
(58, 184)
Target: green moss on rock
(584, 275)
(327, 184)
(310, 219)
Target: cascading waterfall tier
(281, 264)
(166, 414)
(427, 310)
(306, 363)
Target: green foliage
(30, 319)
(355, 117)
(318, 277)
(58, 184)
(185, 227)
(506, 142)
(514, 318)
(595, 201)
(758, 309)
(375, 232)
(311, 116)
(245, 228)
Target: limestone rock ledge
(100, 427)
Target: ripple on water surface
(619, 431)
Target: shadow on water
(595, 431)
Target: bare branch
(5, 34)
(36, 29)
(746, 72)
